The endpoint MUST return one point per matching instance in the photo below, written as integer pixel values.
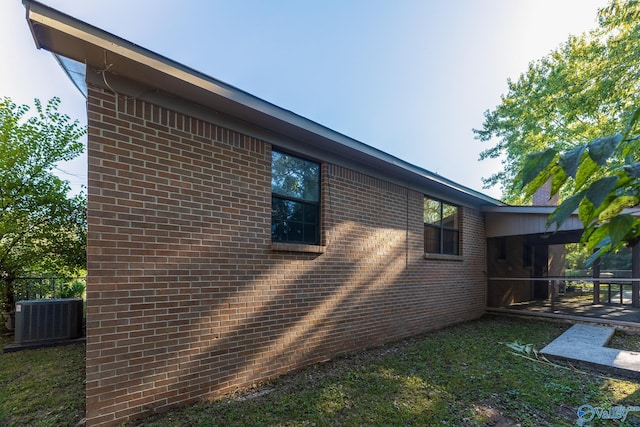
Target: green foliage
(41, 229)
(580, 92)
(603, 188)
(74, 289)
(616, 260)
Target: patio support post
(553, 291)
(635, 274)
(596, 283)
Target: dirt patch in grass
(626, 339)
(487, 414)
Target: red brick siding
(543, 196)
(186, 298)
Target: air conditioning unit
(41, 321)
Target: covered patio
(526, 270)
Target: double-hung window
(441, 227)
(295, 199)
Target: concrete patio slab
(586, 344)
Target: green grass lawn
(43, 387)
(462, 375)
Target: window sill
(443, 257)
(297, 247)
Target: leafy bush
(74, 289)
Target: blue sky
(409, 77)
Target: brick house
(231, 241)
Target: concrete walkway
(586, 344)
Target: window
(441, 228)
(295, 199)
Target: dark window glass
(295, 199)
(441, 228)
(527, 255)
(432, 239)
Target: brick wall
(187, 299)
(543, 196)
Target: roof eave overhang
(66, 36)
(504, 221)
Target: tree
(41, 228)
(603, 178)
(581, 91)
